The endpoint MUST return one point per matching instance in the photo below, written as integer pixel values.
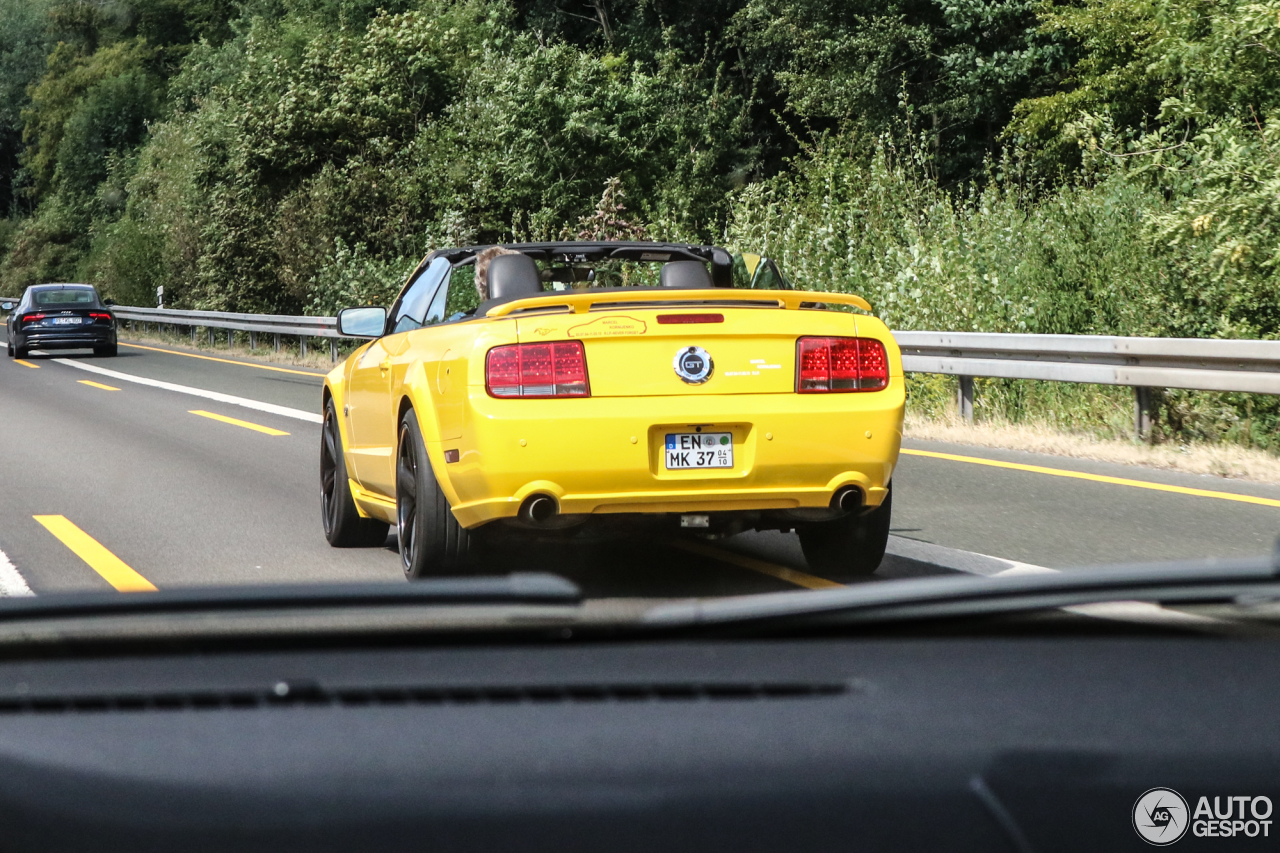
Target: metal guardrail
(255, 324)
(1140, 363)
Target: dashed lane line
(113, 570)
(271, 408)
(1096, 478)
(312, 374)
(93, 384)
(12, 584)
(234, 422)
(26, 363)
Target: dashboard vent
(286, 694)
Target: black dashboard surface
(818, 744)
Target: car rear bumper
(605, 455)
(66, 338)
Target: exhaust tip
(847, 499)
(538, 508)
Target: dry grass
(317, 356)
(1219, 460)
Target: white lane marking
(11, 581)
(283, 411)
(973, 563)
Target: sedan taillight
(537, 370)
(97, 315)
(840, 364)
(32, 318)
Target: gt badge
(693, 365)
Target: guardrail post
(1143, 417)
(302, 345)
(964, 400)
(277, 342)
(333, 350)
(193, 335)
(253, 341)
(210, 328)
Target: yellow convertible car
(553, 389)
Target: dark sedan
(60, 316)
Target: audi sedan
(60, 316)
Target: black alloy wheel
(343, 526)
(432, 542)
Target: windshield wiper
(973, 595)
(520, 588)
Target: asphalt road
(180, 499)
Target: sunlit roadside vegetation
(1092, 167)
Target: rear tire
(108, 351)
(853, 545)
(432, 542)
(343, 526)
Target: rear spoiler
(580, 302)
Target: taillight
(537, 370)
(32, 318)
(99, 316)
(840, 364)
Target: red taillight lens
(840, 364)
(32, 318)
(537, 370)
(99, 316)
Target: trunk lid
(719, 349)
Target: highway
(165, 468)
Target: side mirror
(108, 301)
(8, 305)
(362, 322)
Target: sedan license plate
(699, 450)
(66, 321)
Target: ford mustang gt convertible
(577, 389)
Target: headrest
(513, 275)
(689, 275)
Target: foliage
(1074, 166)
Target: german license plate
(699, 450)
(66, 321)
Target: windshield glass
(676, 301)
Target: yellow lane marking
(92, 384)
(772, 570)
(26, 363)
(227, 361)
(112, 568)
(226, 420)
(1097, 478)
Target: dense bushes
(1095, 166)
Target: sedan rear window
(66, 296)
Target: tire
(9, 346)
(850, 546)
(20, 352)
(432, 542)
(343, 526)
(108, 351)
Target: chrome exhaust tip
(537, 509)
(847, 499)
